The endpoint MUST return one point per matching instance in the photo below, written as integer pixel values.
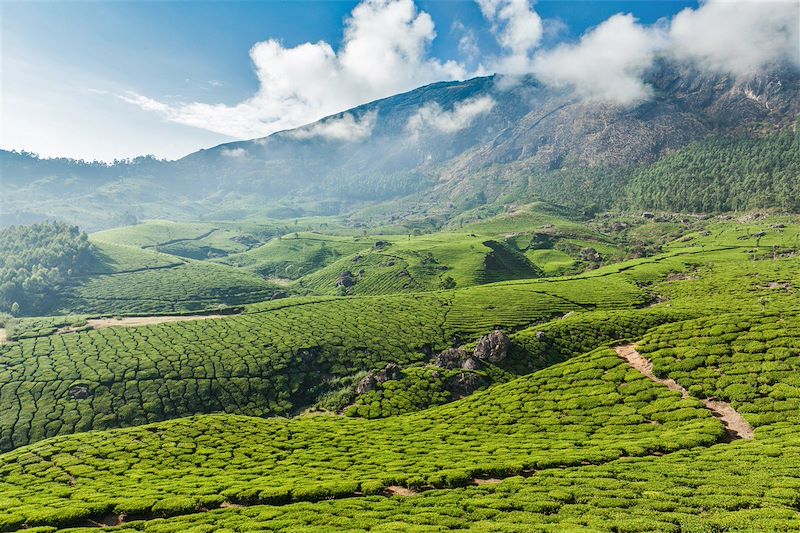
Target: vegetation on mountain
(587, 431)
(591, 409)
(36, 260)
(723, 174)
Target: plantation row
(187, 287)
(532, 349)
(280, 357)
(292, 257)
(748, 486)
(266, 362)
(593, 409)
(751, 361)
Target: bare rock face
(450, 358)
(493, 347)
(79, 392)
(464, 384)
(346, 279)
(392, 372)
(453, 358)
(471, 364)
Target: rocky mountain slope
(436, 138)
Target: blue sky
(117, 79)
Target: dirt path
(3, 336)
(130, 321)
(736, 426)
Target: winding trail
(735, 424)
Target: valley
(511, 273)
(614, 365)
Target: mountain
(457, 144)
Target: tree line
(35, 260)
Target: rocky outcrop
(493, 347)
(79, 392)
(346, 279)
(392, 372)
(464, 384)
(453, 358)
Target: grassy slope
(743, 348)
(293, 256)
(744, 487)
(749, 358)
(265, 362)
(128, 280)
(593, 408)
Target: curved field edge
(747, 486)
(591, 409)
(281, 356)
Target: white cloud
(607, 64)
(518, 29)
(741, 37)
(234, 153)
(344, 128)
(467, 42)
(385, 51)
(148, 104)
(433, 117)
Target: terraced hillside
(342, 257)
(564, 432)
(128, 280)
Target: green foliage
(191, 286)
(602, 447)
(420, 388)
(36, 260)
(724, 174)
(265, 362)
(293, 257)
(591, 409)
(749, 360)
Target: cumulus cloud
(518, 29)
(433, 117)
(344, 128)
(385, 51)
(607, 64)
(738, 37)
(610, 61)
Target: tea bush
(591, 409)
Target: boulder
(590, 254)
(79, 392)
(493, 347)
(464, 384)
(450, 358)
(392, 372)
(345, 279)
(471, 364)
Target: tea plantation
(127, 280)
(252, 422)
(569, 414)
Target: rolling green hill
(236, 422)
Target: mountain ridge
(428, 143)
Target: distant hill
(462, 143)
